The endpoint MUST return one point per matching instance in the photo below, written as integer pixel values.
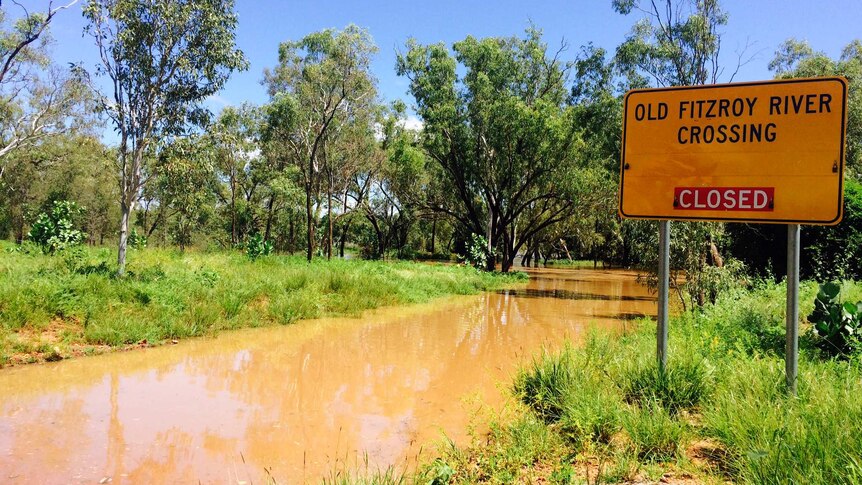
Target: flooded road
(296, 401)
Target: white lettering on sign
(724, 198)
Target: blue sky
(827, 25)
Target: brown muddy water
(300, 401)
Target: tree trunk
(492, 261)
(566, 249)
(525, 259)
(329, 220)
(310, 223)
(233, 240)
(343, 240)
(291, 235)
(433, 234)
(269, 216)
(507, 256)
(126, 210)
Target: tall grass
(172, 295)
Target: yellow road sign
(748, 152)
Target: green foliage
(322, 93)
(184, 185)
(676, 43)
(37, 98)
(137, 240)
(836, 323)
(55, 230)
(501, 135)
(163, 58)
(699, 272)
(167, 55)
(477, 252)
(592, 416)
(508, 455)
(827, 252)
(439, 472)
(770, 437)
(567, 389)
(545, 385)
(256, 247)
(833, 252)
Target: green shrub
(836, 324)
(257, 247)
(54, 230)
(136, 240)
(477, 254)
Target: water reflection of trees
(301, 398)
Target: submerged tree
(163, 58)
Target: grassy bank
(71, 304)
(602, 413)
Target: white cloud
(216, 99)
(413, 123)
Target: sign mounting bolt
(834, 166)
(626, 166)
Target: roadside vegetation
(603, 413)
(53, 307)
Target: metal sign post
(663, 277)
(791, 356)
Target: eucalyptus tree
(69, 166)
(235, 142)
(319, 84)
(185, 186)
(37, 98)
(352, 165)
(676, 42)
(399, 184)
(501, 133)
(162, 58)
